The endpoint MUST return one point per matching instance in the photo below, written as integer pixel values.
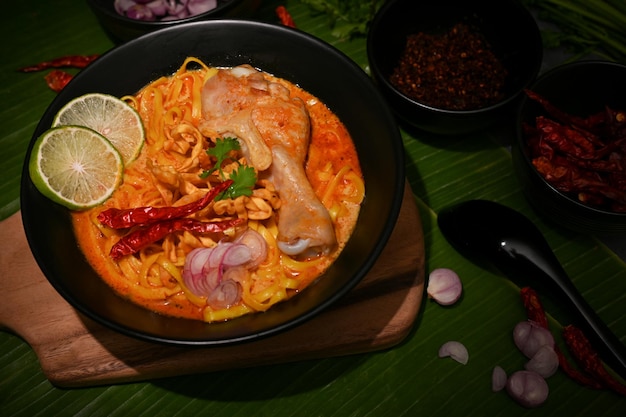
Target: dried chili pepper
(73, 61)
(57, 79)
(285, 17)
(536, 313)
(141, 216)
(589, 360)
(582, 157)
(143, 237)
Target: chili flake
(456, 70)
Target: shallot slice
(498, 379)
(529, 337)
(455, 350)
(527, 388)
(444, 286)
(545, 362)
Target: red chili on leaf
(57, 80)
(73, 61)
(285, 17)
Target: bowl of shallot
(124, 20)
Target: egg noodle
(167, 173)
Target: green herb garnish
(244, 177)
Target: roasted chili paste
(456, 70)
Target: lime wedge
(108, 115)
(75, 166)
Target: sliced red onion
(150, 10)
(545, 362)
(454, 350)
(217, 256)
(140, 12)
(200, 6)
(257, 245)
(227, 294)
(444, 286)
(527, 388)
(498, 379)
(529, 337)
(237, 254)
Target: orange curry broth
(330, 143)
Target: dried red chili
(141, 216)
(582, 157)
(73, 61)
(285, 17)
(456, 70)
(57, 80)
(588, 359)
(143, 237)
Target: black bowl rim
(521, 142)
(390, 4)
(155, 24)
(389, 223)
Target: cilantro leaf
(244, 179)
(221, 150)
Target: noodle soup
(207, 128)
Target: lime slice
(75, 166)
(108, 115)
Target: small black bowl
(580, 89)
(121, 28)
(507, 26)
(286, 53)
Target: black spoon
(491, 234)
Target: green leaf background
(406, 380)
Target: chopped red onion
(454, 350)
(444, 286)
(529, 337)
(498, 379)
(206, 269)
(545, 362)
(164, 10)
(527, 388)
(225, 295)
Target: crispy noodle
(167, 173)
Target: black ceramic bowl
(290, 54)
(122, 29)
(507, 26)
(580, 89)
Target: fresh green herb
(584, 27)
(347, 18)
(244, 177)
(221, 151)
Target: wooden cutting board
(75, 351)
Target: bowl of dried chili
(453, 66)
(570, 147)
